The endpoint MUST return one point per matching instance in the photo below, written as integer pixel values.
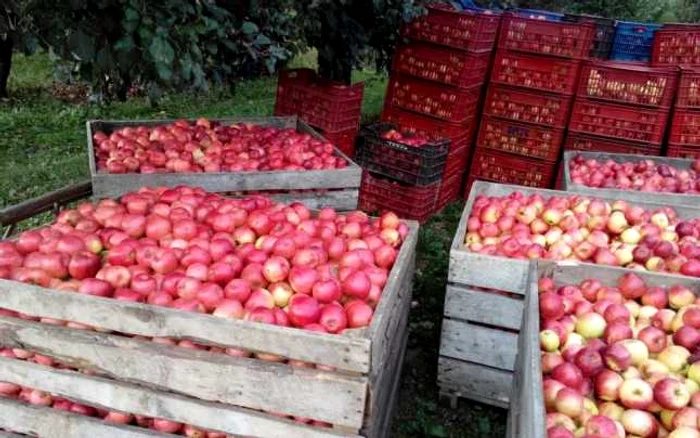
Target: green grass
(43, 148)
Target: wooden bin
(630, 195)
(484, 307)
(337, 188)
(207, 390)
(526, 418)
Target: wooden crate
(526, 418)
(484, 307)
(337, 188)
(629, 195)
(208, 390)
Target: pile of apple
(644, 176)
(235, 258)
(205, 146)
(405, 138)
(580, 228)
(620, 361)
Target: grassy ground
(42, 148)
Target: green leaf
(186, 67)
(161, 51)
(125, 44)
(164, 71)
(262, 40)
(131, 14)
(437, 430)
(81, 45)
(249, 28)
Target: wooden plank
(383, 380)
(10, 435)
(342, 352)
(483, 307)
(630, 195)
(475, 382)
(492, 272)
(47, 422)
(126, 397)
(113, 186)
(483, 345)
(341, 200)
(382, 428)
(330, 397)
(574, 273)
(383, 322)
(40, 204)
(526, 417)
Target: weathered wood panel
(475, 382)
(45, 422)
(485, 307)
(250, 383)
(480, 345)
(126, 397)
(630, 195)
(526, 417)
(346, 353)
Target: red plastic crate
(467, 30)
(381, 194)
(685, 128)
(449, 190)
(556, 38)
(527, 106)
(683, 151)
(676, 45)
(618, 121)
(519, 138)
(461, 69)
(624, 83)
(589, 143)
(505, 168)
(439, 101)
(689, 89)
(344, 140)
(330, 106)
(535, 72)
(428, 126)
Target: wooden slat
(381, 328)
(341, 200)
(526, 417)
(483, 307)
(476, 382)
(47, 422)
(141, 319)
(480, 270)
(10, 435)
(40, 204)
(250, 383)
(575, 273)
(483, 345)
(630, 195)
(126, 397)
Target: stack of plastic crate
(621, 108)
(529, 97)
(437, 82)
(684, 140)
(679, 45)
(333, 109)
(403, 171)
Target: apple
(671, 394)
(636, 394)
(591, 325)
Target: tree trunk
(5, 63)
(334, 66)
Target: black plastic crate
(415, 165)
